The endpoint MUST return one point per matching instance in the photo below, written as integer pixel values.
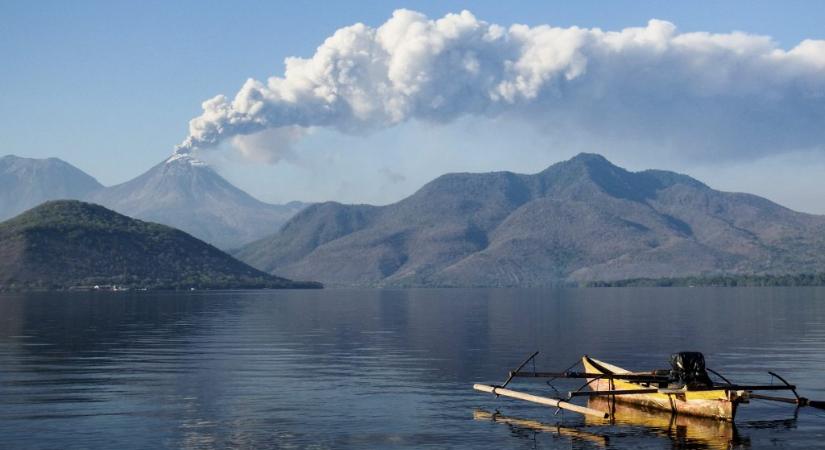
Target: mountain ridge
(181, 192)
(188, 194)
(584, 219)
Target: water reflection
(683, 431)
(371, 368)
(633, 426)
(518, 426)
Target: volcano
(188, 194)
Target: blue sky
(111, 86)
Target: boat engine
(688, 369)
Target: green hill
(69, 244)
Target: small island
(69, 245)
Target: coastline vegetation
(805, 279)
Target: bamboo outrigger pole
(547, 401)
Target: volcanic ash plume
(739, 91)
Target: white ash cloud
(392, 176)
(269, 146)
(729, 95)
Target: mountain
(186, 193)
(584, 219)
(65, 243)
(28, 182)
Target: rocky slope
(580, 220)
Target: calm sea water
(387, 368)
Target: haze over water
(385, 368)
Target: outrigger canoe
(684, 389)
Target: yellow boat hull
(718, 403)
(686, 431)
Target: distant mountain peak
(617, 180)
(593, 163)
(15, 159)
(185, 159)
(187, 193)
(27, 182)
(584, 161)
(590, 158)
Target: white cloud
(699, 94)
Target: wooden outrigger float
(685, 389)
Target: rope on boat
(718, 375)
(548, 382)
(512, 373)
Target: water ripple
(383, 369)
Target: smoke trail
(734, 92)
